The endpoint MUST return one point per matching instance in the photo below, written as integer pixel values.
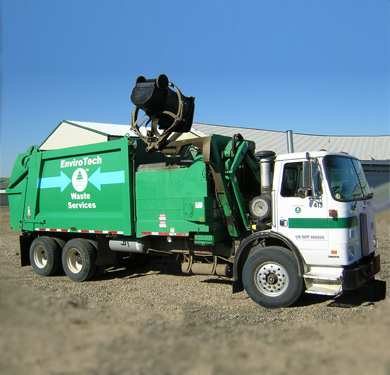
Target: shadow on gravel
(311, 299)
(218, 281)
(112, 273)
(152, 267)
(373, 291)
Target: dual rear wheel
(77, 256)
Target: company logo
(298, 210)
(79, 179)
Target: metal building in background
(373, 151)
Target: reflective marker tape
(164, 234)
(79, 231)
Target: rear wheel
(271, 279)
(79, 260)
(45, 256)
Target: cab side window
(292, 179)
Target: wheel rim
(271, 279)
(74, 261)
(40, 257)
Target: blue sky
(313, 66)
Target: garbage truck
(276, 225)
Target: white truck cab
(323, 205)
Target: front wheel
(271, 279)
(79, 260)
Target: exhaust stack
(290, 141)
(265, 159)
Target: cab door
(302, 220)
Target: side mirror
(304, 192)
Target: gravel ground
(157, 321)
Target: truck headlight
(351, 253)
(374, 241)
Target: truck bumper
(363, 272)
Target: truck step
(325, 274)
(324, 280)
(327, 290)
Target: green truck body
(118, 188)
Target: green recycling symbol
(80, 179)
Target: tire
(60, 242)
(45, 256)
(271, 279)
(79, 260)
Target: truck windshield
(346, 179)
